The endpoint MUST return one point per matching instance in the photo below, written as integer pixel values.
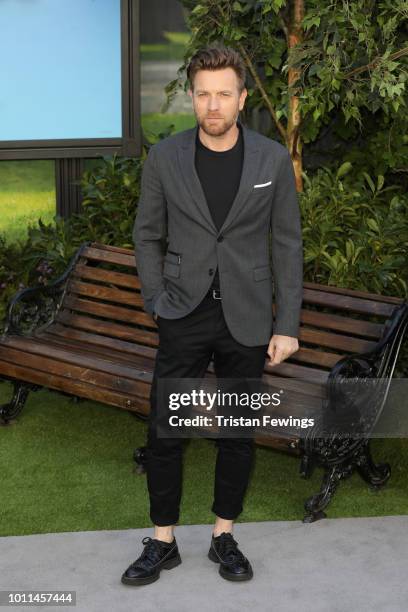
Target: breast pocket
(262, 194)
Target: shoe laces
(151, 554)
(228, 549)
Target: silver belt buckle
(214, 294)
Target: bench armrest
(35, 307)
(350, 412)
(380, 361)
(358, 385)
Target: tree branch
(375, 61)
(262, 91)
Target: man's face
(217, 100)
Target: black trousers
(186, 346)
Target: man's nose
(213, 103)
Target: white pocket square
(263, 184)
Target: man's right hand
(155, 316)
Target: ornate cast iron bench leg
(316, 504)
(361, 461)
(12, 409)
(376, 474)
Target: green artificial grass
(69, 466)
(162, 52)
(171, 50)
(154, 123)
(27, 193)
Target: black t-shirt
(220, 175)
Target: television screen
(60, 69)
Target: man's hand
(280, 348)
(154, 316)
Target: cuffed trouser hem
(163, 522)
(225, 514)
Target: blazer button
(220, 238)
(211, 271)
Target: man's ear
(190, 93)
(242, 98)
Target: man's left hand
(280, 348)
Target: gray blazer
(258, 248)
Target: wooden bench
(87, 336)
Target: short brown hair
(216, 58)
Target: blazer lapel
(186, 153)
(249, 175)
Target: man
(214, 193)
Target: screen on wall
(60, 69)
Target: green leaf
(314, 69)
(344, 169)
(316, 114)
(200, 10)
(372, 224)
(349, 249)
(238, 34)
(311, 20)
(369, 181)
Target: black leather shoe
(155, 557)
(233, 564)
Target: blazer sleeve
(150, 232)
(287, 251)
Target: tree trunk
(293, 140)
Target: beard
(216, 128)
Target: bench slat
(96, 341)
(335, 341)
(353, 292)
(75, 387)
(342, 324)
(297, 371)
(113, 330)
(109, 311)
(110, 256)
(113, 294)
(135, 360)
(111, 247)
(315, 357)
(346, 302)
(111, 277)
(75, 365)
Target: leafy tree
(311, 63)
